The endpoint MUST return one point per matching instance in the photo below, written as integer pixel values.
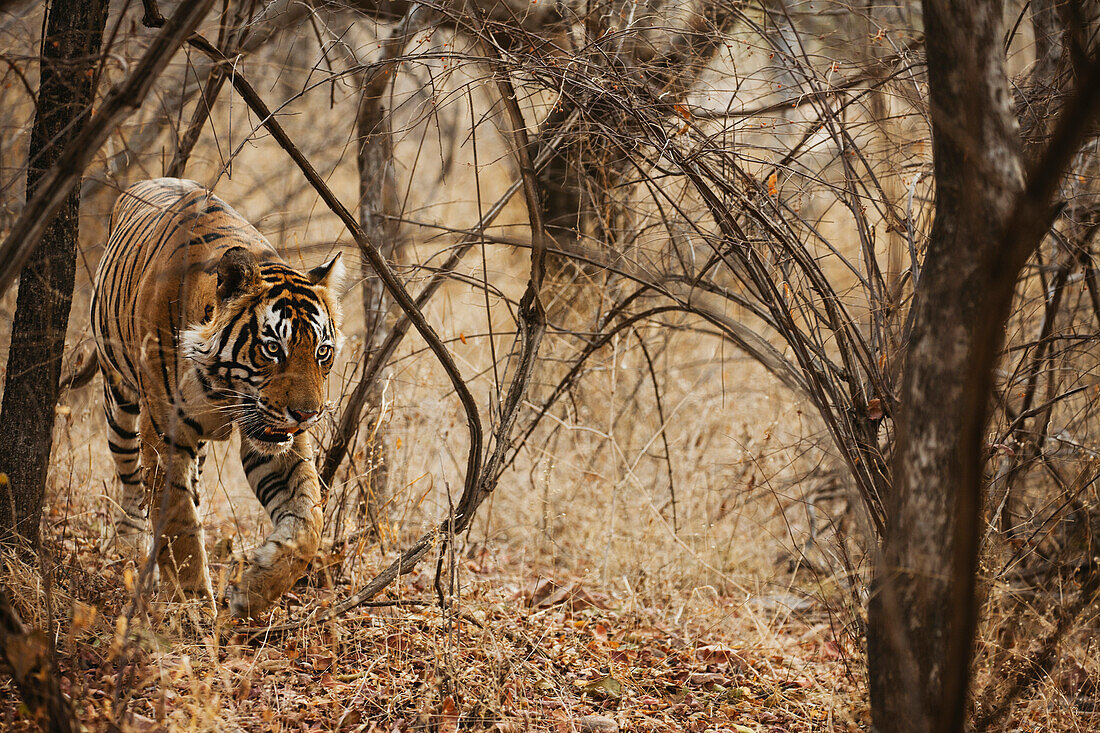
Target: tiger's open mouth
(271, 434)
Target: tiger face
(264, 352)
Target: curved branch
(396, 290)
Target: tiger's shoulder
(181, 204)
(164, 224)
(158, 273)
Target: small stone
(597, 724)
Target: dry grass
(574, 571)
(581, 589)
(514, 652)
(572, 574)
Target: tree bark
(977, 165)
(379, 208)
(70, 54)
(377, 199)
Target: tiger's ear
(237, 272)
(329, 275)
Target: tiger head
(265, 348)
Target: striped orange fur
(200, 327)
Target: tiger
(200, 326)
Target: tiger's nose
(301, 416)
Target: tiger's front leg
(289, 489)
(172, 481)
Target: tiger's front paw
(267, 574)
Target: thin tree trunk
(377, 199)
(378, 208)
(70, 53)
(978, 175)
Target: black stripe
(231, 365)
(156, 427)
(172, 443)
(269, 487)
(194, 425)
(182, 447)
(119, 398)
(252, 461)
(122, 432)
(169, 390)
(119, 450)
(201, 239)
(248, 331)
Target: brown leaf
(874, 409)
(706, 680)
(320, 658)
(719, 654)
(448, 715)
(141, 723)
(545, 593)
(597, 724)
(606, 687)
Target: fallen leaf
(604, 687)
(717, 654)
(448, 715)
(706, 680)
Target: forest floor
(509, 652)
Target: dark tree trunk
(70, 54)
(976, 148)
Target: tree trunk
(70, 54)
(378, 202)
(977, 166)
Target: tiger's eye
(271, 349)
(324, 352)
